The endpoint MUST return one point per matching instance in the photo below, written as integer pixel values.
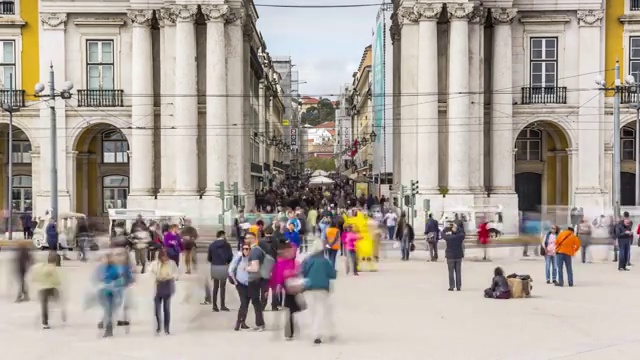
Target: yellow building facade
(19, 73)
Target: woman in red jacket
(483, 236)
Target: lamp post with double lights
(64, 94)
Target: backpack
(267, 265)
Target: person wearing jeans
(454, 237)
(567, 244)
(240, 278)
(166, 273)
(549, 246)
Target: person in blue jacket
(52, 235)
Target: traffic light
(414, 187)
(221, 191)
(236, 198)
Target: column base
(141, 201)
(591, 200)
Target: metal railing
(100, 98)
(634, 5)
(18, 97)
(7, 8)
(628, 94)
(544, 95)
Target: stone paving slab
(401, 312)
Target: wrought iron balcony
(100, 98)
(7, 8)
(628, 95)
(6, 98)
(634, 5)
(544, 95)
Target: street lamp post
(65, 94)
(9, 108)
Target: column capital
(236, 16)
(395, 29)
(167, 17)
(428, 11)
(214, 13)
(407, 15)
(590, 17)
(140, 17)
(53, 20)
(184, 13)
(479, 15)
(459, 11)
(503, 15)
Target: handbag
(412, 247)
(543, 251)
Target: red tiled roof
(327, 125)
(332, 132)
(307, 100)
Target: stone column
(36, 191)
(476, 109)
(589, 189)
(72, 172)
(427, 124)
(572, 155)
(458, 100)
(409, 58)
(217, 139)
(167, 108)
(84, 166)
(502, 140)
(141, 177)
(261, 123)
(52, 52)
(186, 101)
(235, 87)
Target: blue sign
(378, 93)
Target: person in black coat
(219, 255)
(454, 237)
(499, 286)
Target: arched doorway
(628, 165)
(21, 177)
(542, 168)
(102, 172)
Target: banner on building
(294, 139)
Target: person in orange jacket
(567, 245)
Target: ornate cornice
(407, 15)
(459, 11)
(395, 32)
(503, 15)
(247, 32)
(140, 17)
(236, 16)
(167, 17)
(428, 11)
(214, 12)
(53, 20)
(590, 17)
(184, 13)
(479, 15)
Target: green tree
(326, 164)
(323, 112)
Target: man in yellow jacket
(567, 245)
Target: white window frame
(22, 156)
(22, 190)
(630, 59)
(105, 188)
(545, 30)
(16, 8)
(527, 140)
(126, 159)
(543, 61)
(101, 63)
(17, 54)
(624, 139)
(109, 34)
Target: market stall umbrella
(319, 173)
(320, 180)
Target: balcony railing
(100, 98)
(634, 5)
(544, 95)
(7, 8)
(18, 97)
(628, 95)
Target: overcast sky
(326, 45)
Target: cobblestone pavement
(404, 311)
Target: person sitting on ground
(499, 286)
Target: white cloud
(325, 44)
